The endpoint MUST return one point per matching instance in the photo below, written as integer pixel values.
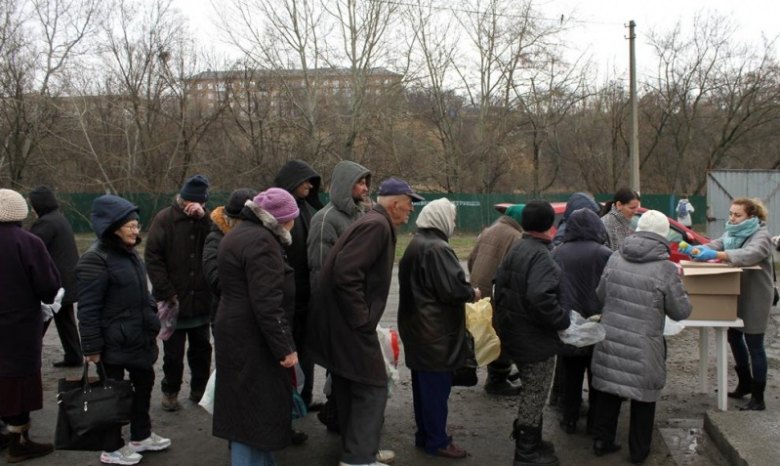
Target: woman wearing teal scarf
(747, 243)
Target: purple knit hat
(279, 203)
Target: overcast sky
(599, 25)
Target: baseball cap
(395, 186)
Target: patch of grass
(461, 244)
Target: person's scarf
(737, 234)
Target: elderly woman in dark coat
(432, 323)
(254, 344)
(27, 277)
(117, 323)
(639, 288)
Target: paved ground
(480, 423)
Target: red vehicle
(677, 231)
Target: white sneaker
(124, 455)
(153, 443)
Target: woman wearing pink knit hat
(254, 343)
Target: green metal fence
(475, 211)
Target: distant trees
(467, 96)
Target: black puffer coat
(431, 316)
(528, 314)
(253, 397)
(115, 312)
(56, 233)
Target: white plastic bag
(479, 322)
(672, 328)
(582, 332)
(207, 401)
(389, 342)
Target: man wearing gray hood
(349, 187)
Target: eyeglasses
(136, 227)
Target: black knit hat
(236, 201)
(195, 189)
(538, 216)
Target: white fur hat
(13, 207)
(655, 222)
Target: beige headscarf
(439, 215)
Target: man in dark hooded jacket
(582, 257)
(299, 179)
(576, 201)
(56, 233)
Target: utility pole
(634, 145)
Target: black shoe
(501, 386)
(753, 405)
(601, 448)
(570, 427)
(68, 364)
(299, 437)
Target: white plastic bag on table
(479, 322)
(582, 332)
(389, 342)
(207, 401)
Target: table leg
(722, 361)
(704, 356)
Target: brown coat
(351, 294)
(492, 245)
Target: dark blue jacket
(577, 201)
(115, 315)
(582, 258)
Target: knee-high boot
(745, 384)
(756, 402)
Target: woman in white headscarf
(432, 323)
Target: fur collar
(218, 217)
(268, 221)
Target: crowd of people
(280, 283)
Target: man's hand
(477, 295)
(194, 210)
(290, 360)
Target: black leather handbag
(466, 376)
(96, 404)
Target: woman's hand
(92, 358)
(705, 254)
(290, 360)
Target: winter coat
(431, 315)
(757, 289)
(618, 228)
(352, 293)
(292, 174)
(527, 313)
(490, 249)
(28, 276)
(56, 233)
(219, 228)
(639, 288)
(582, 257)
(115, 312)
(576, 202)
(174, 257)
(253, 397)
(328, 224)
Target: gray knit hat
(13, 207)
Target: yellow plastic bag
(479, 321)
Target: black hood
(585, 225)
(43, 201)
(108, 211)
(295, 172)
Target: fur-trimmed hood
(220, 220)
(258, 214)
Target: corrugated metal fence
(475, 211)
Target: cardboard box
(712, 288)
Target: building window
(200, 85)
